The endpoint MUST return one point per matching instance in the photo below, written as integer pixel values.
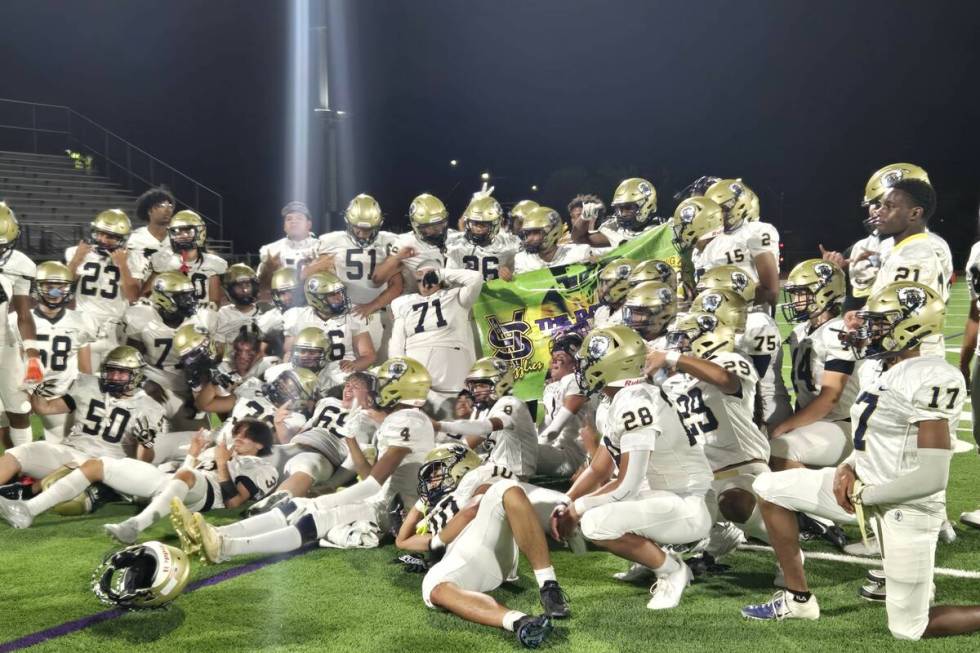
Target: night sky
(802, 100)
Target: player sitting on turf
(898, 480)
(561, 451)
(479, 523)
(657, 496)
(403, 439)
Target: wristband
(672, 357)
(435, 543)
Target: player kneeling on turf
(480, 539)
(897, 479)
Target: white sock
(511, 618)
(544, 575)
(669, 566)
(64, 490)
(264, 523)
(21, 436)
(281, 540)
(755, 526)
(160, 504)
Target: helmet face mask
(442, 471)
(626, 215)
(634, 204)
(284, 298)
(142, 576)
(187, 231)
(121, 373)
(293, 389)
(309, 349)
(489, 379)
(244, 293)
(364, 219)
(183, 238)
(434, 233)
(327, 295)
(649, 323)
(814, 288)
(429, 219)
(54, 285)
(800, 305)
(481, 232)
(533, 240)
(105, 242)
(874, 336)
(701, 335)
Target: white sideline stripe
(867, 562)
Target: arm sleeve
(470, 282)
(928, 478)
(635, 472)
(476, 427)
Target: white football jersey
(564, 255)
(252, 402)
(103, 422)
(724, 249)
(16, 275)
(257, 474)
(229, 322)
(292, 253)
(340, 330)
(144, 324)
(59, 340)
(816, 351)
(761, 339)
(553, 399)
(146, 244)
(423, 252)
(617, 235)
(411, 429)
(199, 271)
(973, 276)
(923, 258)
(462, 254)
(330, 424)
(639, 418)
(605, 316)
(864, 263)
(436, 518)
(760, 238)
(441, 320)
(515, 448)
(355, 265)
(99, 293)
(725, 421)
(886, 412)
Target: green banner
(517, 319)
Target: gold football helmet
(493, 372)
(110, 229)
(700, 334)
(481, 220)
(295, 387)
(326, 294)
(544, 222)
(172, 293)
(193, 344)
(9, 231)
(813, 287)
(310, 349)
(610, 356)
(517, 214)
(363, 213)
(402, 380)
(283, 287)
(634, 204)
(122, 359)
(443, 469)
(54, 284)
(649, 307)
(886, 177)
(614, 281)
(146, 575)
(729, 307)
(753, 214)
(728, 277)
(241, 284)
(429, 219)
(696, 218)
(81, 504)
(899, 317)
(653, 270)
(735, 200)
(187, 231)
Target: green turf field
(355, 600)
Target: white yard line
(857, 560)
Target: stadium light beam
(298, 92)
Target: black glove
(412, 564)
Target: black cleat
(835, 535)
(554, 601)
(874, 586)
(532, 631)
(811, 529)
(16, 491)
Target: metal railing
(53, 128)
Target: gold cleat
(210, 540)
(183, 523)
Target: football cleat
(532, 631)
(782, 606)
(723, 538)
(873, 588)
(811, 529)
(666, 593)
(554, 601)
(18, 491)
(210, 540)
(635, 572)
(947, 534)
(971, 518)
(123, 532)
(183, 523)
(267, 504)
(871, 550)
(15, 513)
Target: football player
(516, 215)
(480, 540)
(328, 308)
(114, 415)
(482, 246)
(658, 495)
(297, 248)
(109, 277)
(500, 421)
(818, 434)
(648, 309)
(897, 480)
(403, 440)
(970, 344)
(560, 450)
(634, 207)
(309, 349)
(189, 256)
(611, 291)
(713, 388)
(433, 326)
(241, 286)
(156, 208)
(425, 242)
(353, 256)
(287, 296)
(539, 236)
(63, 337)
